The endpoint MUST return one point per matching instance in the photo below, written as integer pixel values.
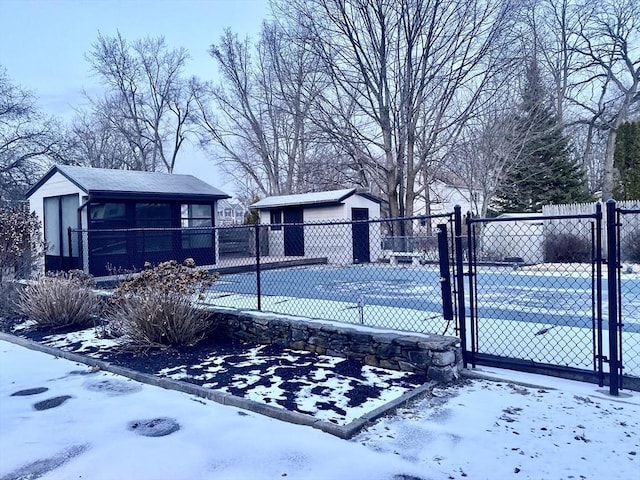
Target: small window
(276, 219)
(194, 215)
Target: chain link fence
(629, 287)
(351, 271)
(521, 289)
(532, 284)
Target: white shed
(515, 238)
(333, 224)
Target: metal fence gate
(539, 310)
(623, 234)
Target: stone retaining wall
(437, 356)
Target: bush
(20, 244)
(630, 247)
(566, 248)
(9, 312)
(60, 300)
(157, 306)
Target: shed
(514, 238)
(335, 225)
(101, 220)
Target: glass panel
(276, 219)
(108, 212)
(200, 211)
(153, 215)
(70, 205)
(52, 225)
(195, 215)
(108, 243)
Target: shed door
(60, 213)
(360, 236)
(293, 234)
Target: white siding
(519, 238)
(332, 241)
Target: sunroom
(107, 221)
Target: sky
(523, 426)
(43, 44)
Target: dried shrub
(9, 313)
(157, 306)
(21, 246)
(60, 300)
(566, 248)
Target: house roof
(331, 197)
(132, 183)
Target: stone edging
(340, 431)
(437, 357)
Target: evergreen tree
(545, 171)
(627, 161)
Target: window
(192, 216)
(276, 219)
(156, 217)
(108, 216)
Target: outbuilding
(103, 220)
(333, 224)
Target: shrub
(630, 247)
(20, 244)
(157, 306)
(60, 300)
(566, 248)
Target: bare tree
(27, 139)
(413, 70)
(258, 116)
(92, 141)
(148, 102)
(610, 51)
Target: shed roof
(308, 199)
(132, 183)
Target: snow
(476, 429)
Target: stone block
(318, 341)
(298, 345)
(299, 334)
(371, 360)
(408, 367)
(442, 359)
(386, 350)
(442, 374)
(362, 347)
(419, 357)
(390, 364)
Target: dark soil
(224, 364)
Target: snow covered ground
(478, 429)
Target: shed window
(155, 218)
(196, 215)
(103, 219)
(276, 219)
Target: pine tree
(545, 171)
(627, 161)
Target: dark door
(60, 214)
(293, 234)
(360, 235)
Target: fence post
(445, 274)
(598, 259)
(258, 284)
(612, 283)
(459, 260)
